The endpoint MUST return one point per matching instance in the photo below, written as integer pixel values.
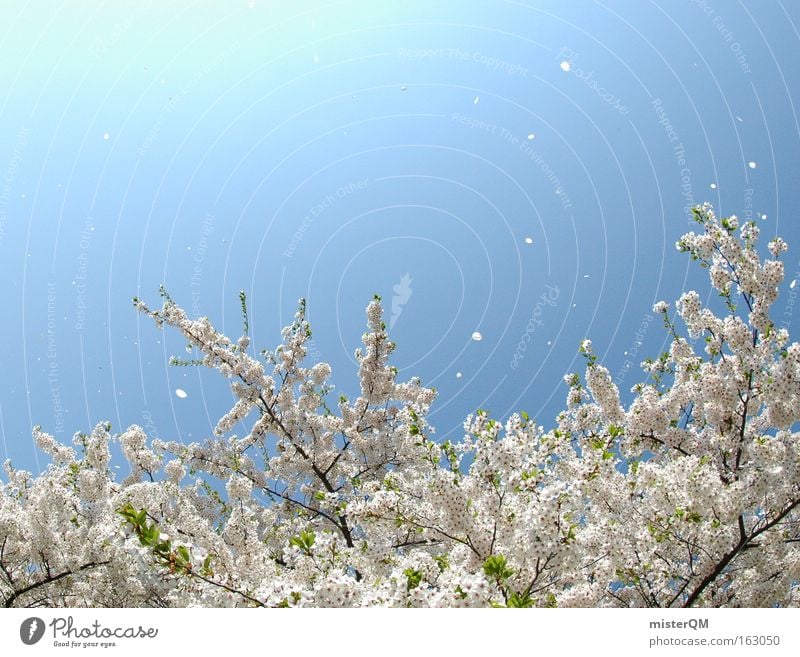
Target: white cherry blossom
(687, 495)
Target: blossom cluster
(688, 495)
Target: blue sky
(519, 169)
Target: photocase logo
(402, 293)
(31, 630)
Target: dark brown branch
(49, 580)
(734, 552)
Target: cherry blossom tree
(688, 496)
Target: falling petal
(477, 337)
(528, 240)
(752, 165)
(179, 392)
(458, 375)
(565, 66)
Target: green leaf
(128, 513)
(183, 553)
(413, 577)
(597, 442)
(571, 533)
(519, 601)
(496, 566)
(206, 571)
(304, 541)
